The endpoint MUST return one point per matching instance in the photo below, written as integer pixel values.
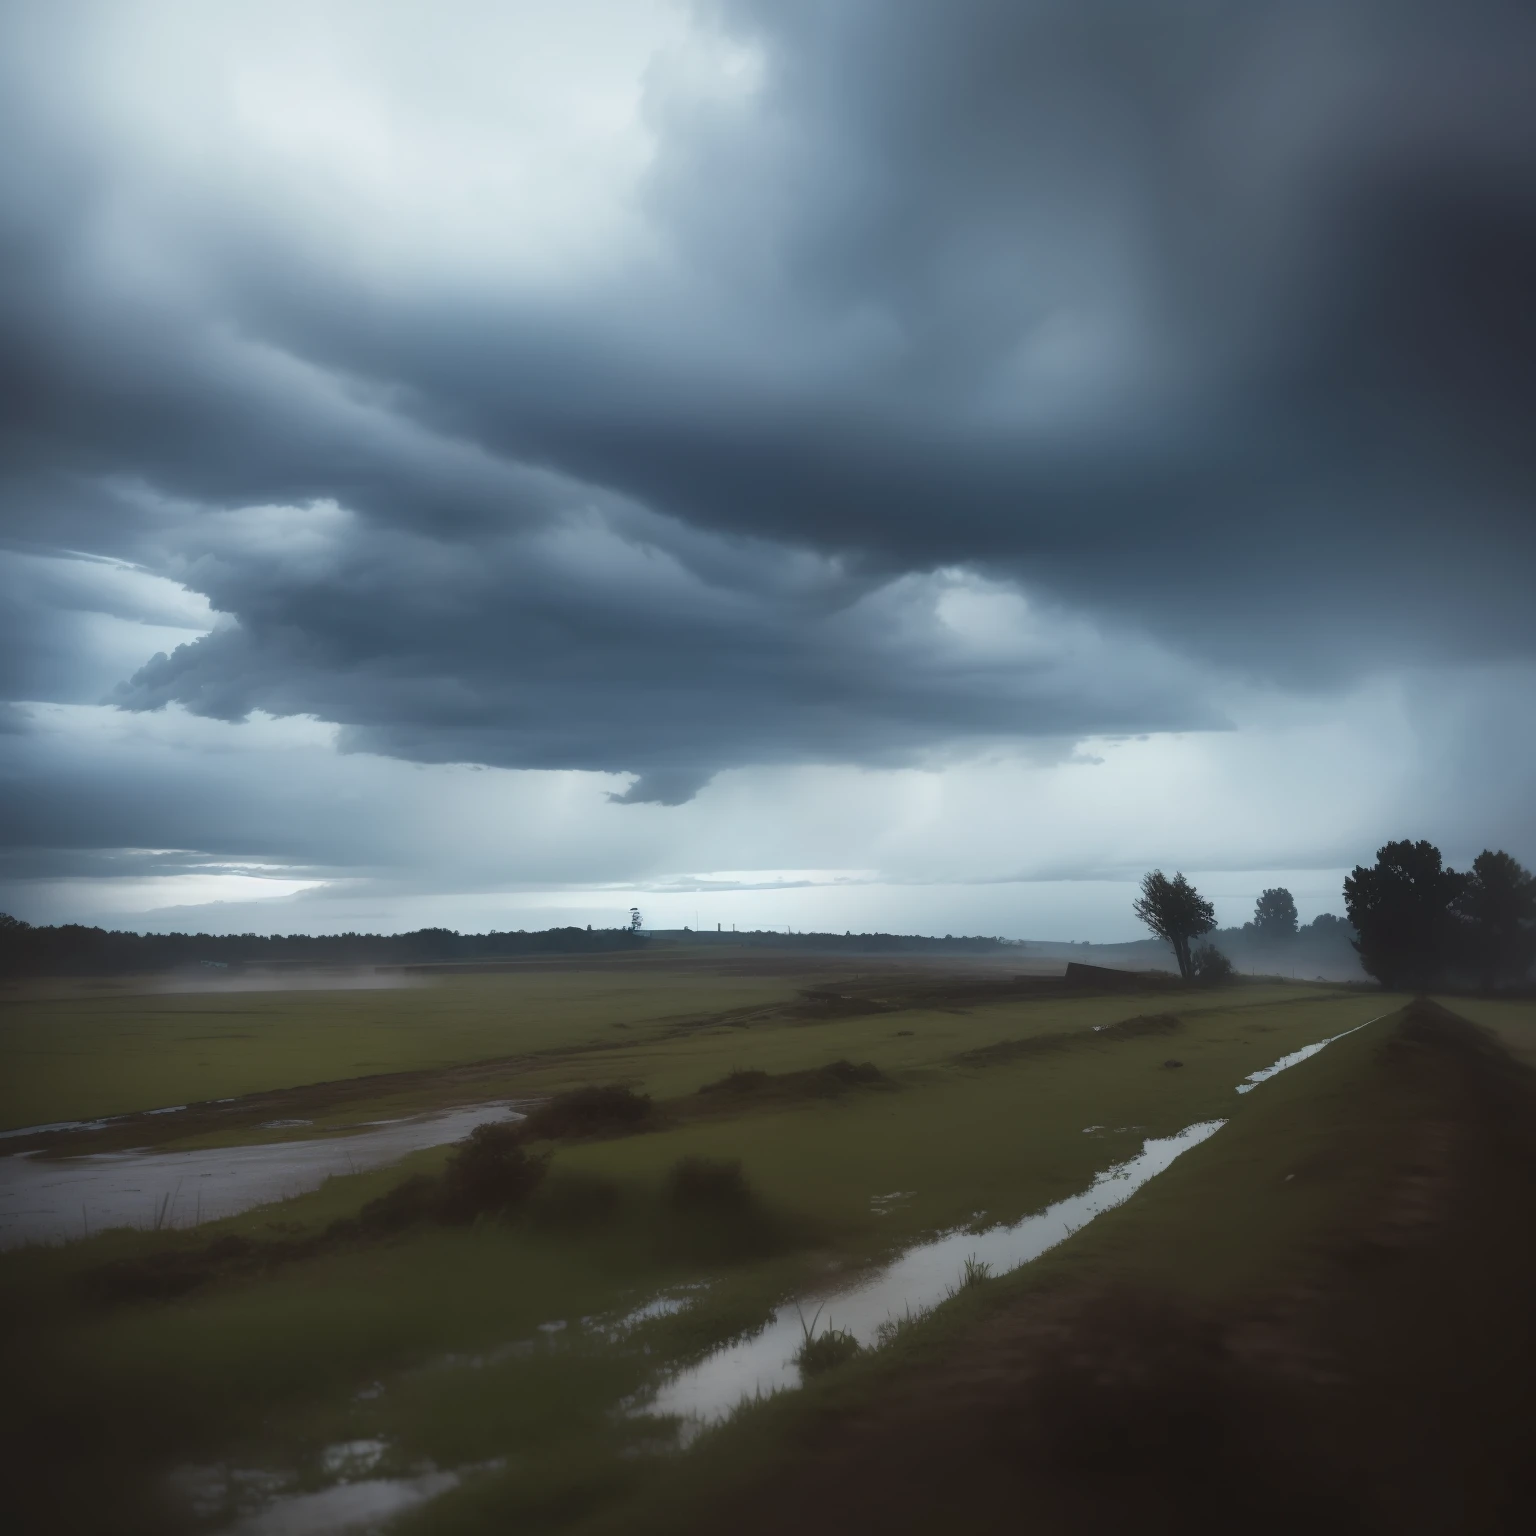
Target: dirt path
(1383, 1381)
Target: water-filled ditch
(916, 1282)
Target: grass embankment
(1512, 1024)
(462, 1346)
(1320, 1318)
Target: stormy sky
(830, 463)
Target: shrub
(573, 1199)
(742, 1080)
(1209, 966)
(611, 1110)
(709, 1184)
(490, 1170)
(837, 1076)
(711, 1212)
(826, 1082)
(407, 1203)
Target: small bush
(407, 1203)
(1142, 1024)
(154, 1277)
(1209, 966)
(711, 1212)
(743, 1080)
(837, 1076)
(490, 1170)
(709, 1184)
(573, 1200)
(611, 1110)
(826, 1082)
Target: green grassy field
(1329, 1301)
(112, 1050)
(463, 1347)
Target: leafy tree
(1499, 906)
(1174, 910)
(1274, 916)
(1329, 925)
(1404, 907)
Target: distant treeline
(1256, 943)
(843, 943)
(73, 950)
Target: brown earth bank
(1368, 1364)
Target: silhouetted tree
(1329, 925)
(1499, 907)
(1175, 911)
(1274, 916)
(1404, 907)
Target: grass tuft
(893, 1327)
(973, 1272)
(825, 1351)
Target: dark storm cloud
(1211, 322)
(582, 644)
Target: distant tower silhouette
(636, 922)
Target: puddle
(604, 1327)
(352, 1459)
(348, 1507)
(52, 1202)
(1253, 1079)
(663, 1306)
(211, 980)
(258, 1502)
(55, 1125)
(922, 1278)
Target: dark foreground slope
(1323, 1318)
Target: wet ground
(920, 1279)
(758, 1366)
(1374, 1378)
(54, 1200)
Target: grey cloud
(585, 644)
(1211, 317)
(1210, 323)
